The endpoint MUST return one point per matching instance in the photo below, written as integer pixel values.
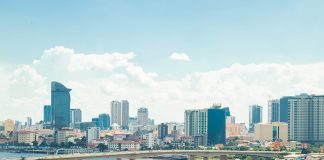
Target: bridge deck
(141, 154)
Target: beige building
(26, 137)
(236, 130)
(64, 134)
(9, 125)
(275, 131)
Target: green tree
(35, 143)
(102, 147)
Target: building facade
(207, 123)
(274, 110)
(125, 114)
(162, 130)
(306, 118)
(93, 134)
(47, 116)
(75, 115)
(115, 111)
(275, 131)
(104, 121)
(255, 116)
(142, 116)
(60, 102)
(27, 137)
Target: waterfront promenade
(141, 154)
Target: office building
(255, 116)
(149, 140)
(142, 116)
(92, 134)
(274, 110)
(60, 102)
(125, 114)
(75, 115)
(275, 131)
(162, 130)
(207, 124)
(284, 109)
(305, 118)
(104, 121)
(151, 122)
(47, 119)
(95, 121)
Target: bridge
(131, 155)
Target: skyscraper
(125, 114)
(273, 110)
(75, 115)
(283, 109)
(104, 121)
(95, 121)
(115, 111)
(207, 123)
(60, 102)
(162, 130)
(47, 116)
(142, 116)
(305, 118)
(29, 122)
(255, 116)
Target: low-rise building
(275, 131)
(124, 145)
(64, 134)
(27, 137)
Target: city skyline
(164, 57)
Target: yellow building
(275, 131)
(9, 125)
(26, 137)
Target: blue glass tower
(47, 116)
(216, 126)
(104, 121)
(60, 102)
(284, 108)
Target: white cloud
(104, 77)
(180, 57)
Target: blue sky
(241, 52)
(214, 34)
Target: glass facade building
(206, 125)
(255, 116)
(60, 102)
(273, 110)
(47, 116)
(104, 121)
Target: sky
(165, 55)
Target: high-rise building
(47, 116)
(227, 111)
(305, 118)
(142, 116)
(9, 125)
(162, 130)
(273, 110)
(255, 116)
(115, 111)
(60, 102)
(284, 109)
(125, 114)
(75, 115)
(151, 122)
(95, 121)
(29, 122)
(104, 121)
(208, 124)
(93, 133)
